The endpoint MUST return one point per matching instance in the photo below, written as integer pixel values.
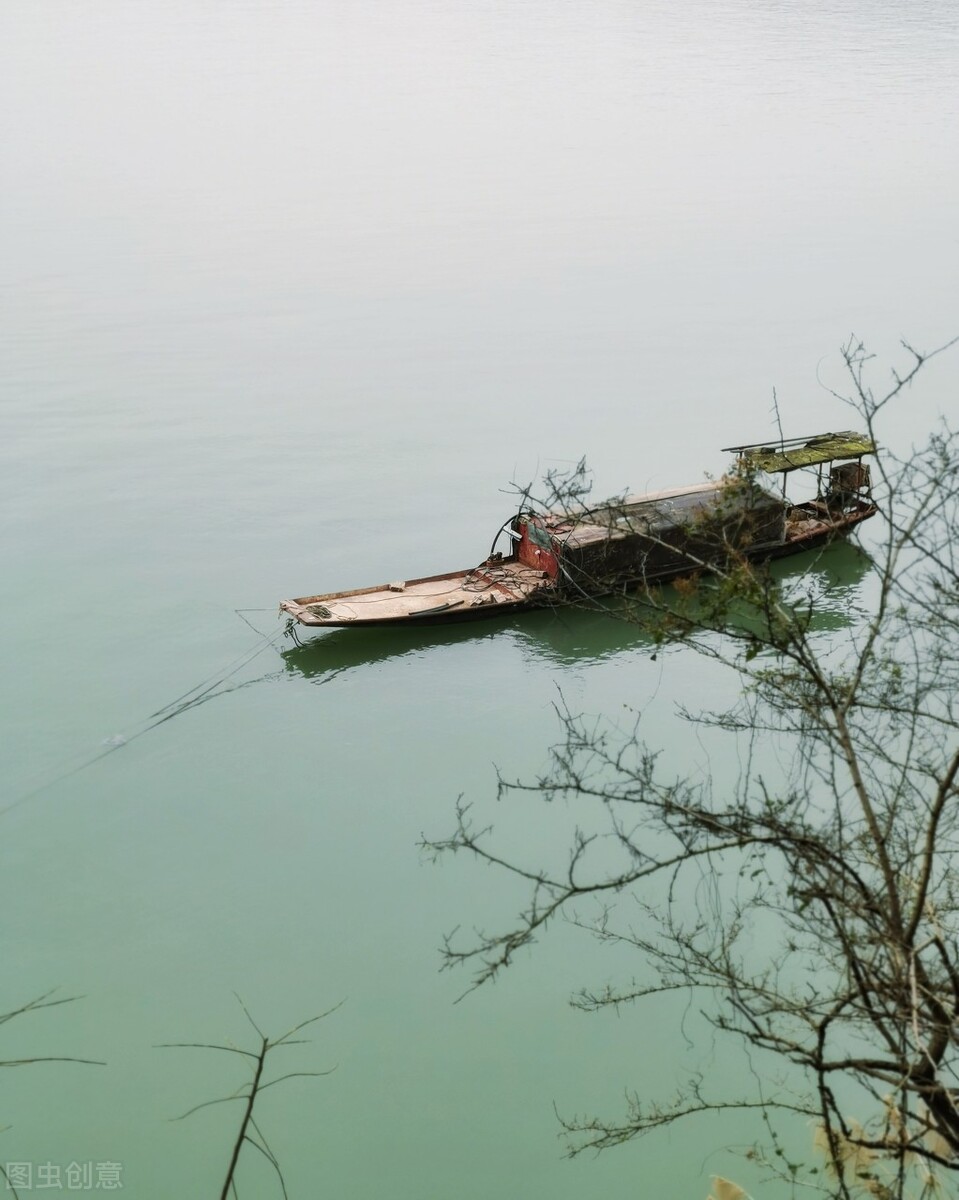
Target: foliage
(846, 862)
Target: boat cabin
(663, 535)
(650, 537)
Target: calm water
(291, 294)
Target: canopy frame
(792, 454)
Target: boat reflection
(833, 576)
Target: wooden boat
(564, 557)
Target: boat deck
(813, 520)
(508, 583)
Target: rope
(203, 691)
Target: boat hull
(495, 588)
(501, 588)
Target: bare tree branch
(249, 1132)
(848, 859)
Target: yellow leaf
(725, 1190)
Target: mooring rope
(236, 664)
(205, 690)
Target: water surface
(291, 295)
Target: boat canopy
(792, 453)
(652, 537)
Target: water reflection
(833, 578)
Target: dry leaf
(725, 1190)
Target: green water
(291, 294)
